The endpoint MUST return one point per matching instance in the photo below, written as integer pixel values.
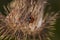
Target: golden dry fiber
(27, 21)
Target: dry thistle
(26, 21)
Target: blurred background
(55, 7)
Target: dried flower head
(27, 21)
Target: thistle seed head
(26, 21)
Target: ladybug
(30, 19)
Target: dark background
(55, 7)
